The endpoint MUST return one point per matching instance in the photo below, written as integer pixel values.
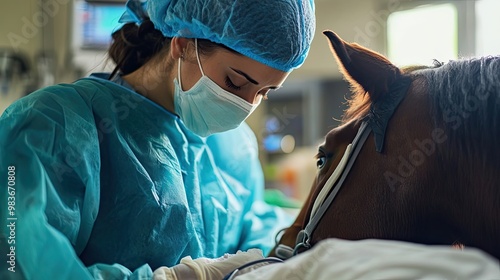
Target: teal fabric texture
(109, 185)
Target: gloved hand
(205, 268)
(178, 272)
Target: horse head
(425, 169)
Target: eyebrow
(245, 75)
(250, 78)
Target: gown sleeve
(49, 173)
(236, 152)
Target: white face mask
(206, 108)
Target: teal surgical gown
(110, 185)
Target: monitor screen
(99, 21)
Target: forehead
(340, 135)
(331, 137)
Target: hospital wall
(39, 28)
(38, 33)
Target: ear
(364, 69)
(178, 47)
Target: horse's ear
(364, 69)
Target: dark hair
(134, 45)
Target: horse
(414, 159)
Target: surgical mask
(206, 108)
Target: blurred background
(43, 42)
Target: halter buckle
(302, 244)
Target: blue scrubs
(109, 184)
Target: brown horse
(429, 170)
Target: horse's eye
(320, 163)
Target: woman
(113, 174)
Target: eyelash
(321, 154)
(230, 84)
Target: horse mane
(465, 99)
(464, 96)
(357, 106)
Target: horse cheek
(392, 180)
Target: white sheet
(381, 259)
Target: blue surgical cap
(277, 33)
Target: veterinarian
(118, 174)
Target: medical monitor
(99, 19)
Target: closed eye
(230, 84)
